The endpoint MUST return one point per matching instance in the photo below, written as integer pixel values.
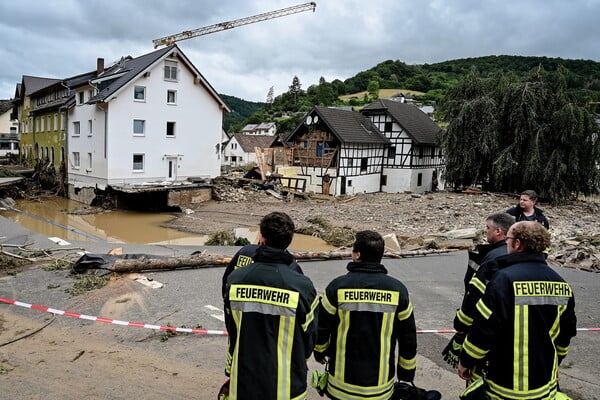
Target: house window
(171, 70)
(170, 128)
(90, 127)
(171, 96)
(139, 93)
(89, 161)
(363, 164)
(139, 126)
(138, 162)
(350, 162)
(419, 179)
(420, 152)
(233, 146)
(76, 128)
(392, 152)
(433, 152)
(388, 126)
(76, 161)
(81, 97)
(383, 180)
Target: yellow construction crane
(169, 40)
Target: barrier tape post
(175, 329)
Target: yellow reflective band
(478, 284)
(327, 305)
(242, 261)
(368, 296)
(407, 364)
(340, 346)
(483, 309)
(402, 315)
(285, 342)
(310, 317)
(541, 288)
(464, 318)
(343, 390)
(545, 392)
(321, 347)
(385, 338)
(473, 351)
(264, 294)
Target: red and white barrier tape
(114, 321)
(172, 328)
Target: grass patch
(383, 94)
(225, 238)
(85, 283)
(57, 265)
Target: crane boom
(169, 40)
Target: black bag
(405, 391)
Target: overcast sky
(62, 38)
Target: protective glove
(224, 391)
(452, 350)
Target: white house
(264, 128)
(9, 138)
(241, 149)
(152, 119)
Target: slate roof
(347, 126)
(414, 121)
(34, 83)
(128, 68)
(249, 142)
(5, 105)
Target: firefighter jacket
(270, 316)
(526, 324)
(363, 315)
(482, 254)
(476, 285)
(538, 215)
(245, 256)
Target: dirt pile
(424, 221)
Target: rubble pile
(417, 220)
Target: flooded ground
(53, 217)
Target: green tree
(512, 134)
(373, 89)
(295, 88)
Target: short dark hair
(502, 220)
(370, 245)
(531, 193)
(534, 237)
(277, 229)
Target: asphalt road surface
(191, 298)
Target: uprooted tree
(510, 135)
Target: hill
(431, 81)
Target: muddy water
(50, 218)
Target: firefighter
(270, 317)
(525, 324)
(496, 228)
(363, 316)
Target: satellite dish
(315, 119)
(308, 120)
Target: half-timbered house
(344, 144)
(413, 160)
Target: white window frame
(76, 160)
(174, 93)
(76, 128)
(171, 70)
(143, 125)
(134, 164)
(139, 90)
(89, 168)
(90, 127)
(81, 98)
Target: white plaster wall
(198, 129)
(398, 180)
(361, 184)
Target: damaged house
(387, 147)
(150, 124)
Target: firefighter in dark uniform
(270, 316)
(525, 324)
(363, 316)
(478, 273)
(245, 256)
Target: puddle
(49, 218)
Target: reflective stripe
(262, 308)
(542, 288)
(483, 309)
(521, 353)
(478, 284)
(310, 317)
(464, 318)
(403, 315)
(237, 318)
(545, 392)
(285, 340)
(542, 300)
(473, 351)
(264, 294)
(340, 346)
(321, 347)
(387, 327)
(370, 307)
(407, 364)
(473, 265)
(327, 305)
(339, 389)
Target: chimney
(99, 66)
